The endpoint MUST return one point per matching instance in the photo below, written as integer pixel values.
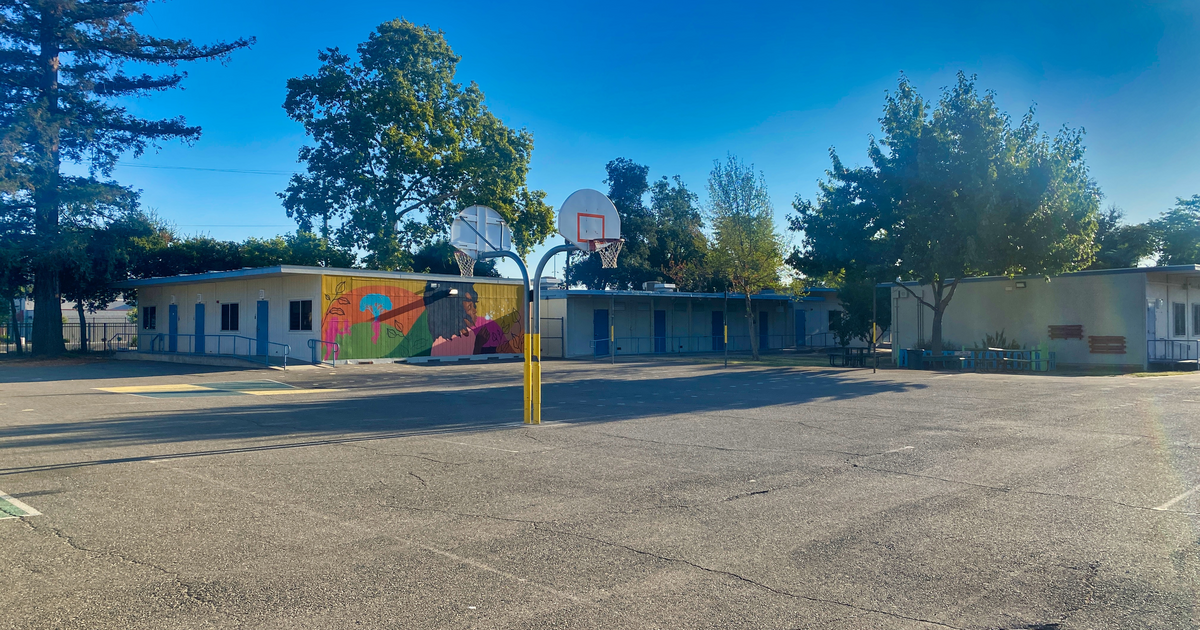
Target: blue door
(718, 331)
(200, 328)
(261, 321)
(600, 331)
(172, 328)
(764, 339)
(660, 331)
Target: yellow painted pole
(528, 379)
(536, 416)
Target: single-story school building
(327, 314)
(580, 323)
(1126, 318)
(324, 314)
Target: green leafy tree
(294, 248)
(311, 250)
(1178, 232)
(746, 248)
(438, 257)
(62, 72)
(1119, 245)
(627, 187)
(15, 278)
(398, 148)
(664, 240)
(680, 249)
(100, 256)
(862, 302)
(950, 193)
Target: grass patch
(1148, 374)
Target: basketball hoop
(466, 263)
(608, 249)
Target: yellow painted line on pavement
(152, 389)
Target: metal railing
(102, 336)
(227, 345)
(830, 340)
(1173, 349)
(327, 347)
(689, 344)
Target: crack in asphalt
(418, 478)
(728, 449)
(745, 579)
(541, 527)
(1020, 491)
(185, 590)
(385, 454)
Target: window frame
(300, 315)
(1178, 324)
(150, 317)
(231, 317)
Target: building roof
(563, 293)
(1093, 272)
(286, 270)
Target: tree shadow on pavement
(370, 412)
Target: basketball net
(466, 263)
(608, 251)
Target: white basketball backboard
(480, 229)
(588, 216)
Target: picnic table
(848, 357)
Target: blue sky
(677, 85)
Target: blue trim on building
(284, 270)
(1093, 272)
(552, 294)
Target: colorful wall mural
(373, 318)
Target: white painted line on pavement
(1178, 499)
(475, 445)
(897, 450)
(17, 503)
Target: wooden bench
(1068, 331)
(1106, 345)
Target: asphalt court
(656, 495)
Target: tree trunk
(47, 311)
(752, 327)
(935, 341)
(83, 335)
(15, 327)
(47, 308)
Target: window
(1196, 319)
(300, 315)
(229, 317)
(834, 316)
(1179, 315)
(150, 317)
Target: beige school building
(1128, 318)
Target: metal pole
(612, 331)
(536, 327)
(725, 327)
(528, 373)
(874, 330)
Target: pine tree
(61, 69)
